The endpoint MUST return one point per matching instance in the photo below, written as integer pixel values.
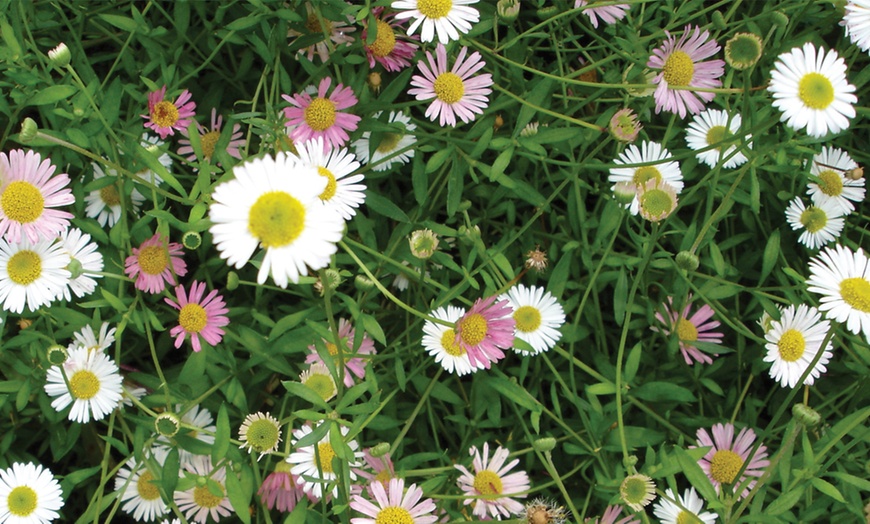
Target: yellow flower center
(192, 318)
(686, 517)
(394, 515)
(208, 141)
(636, 490)
(320, 114)
(326, 456)
(856, 292)
(331, 184)
(725, 466)
(262, 435)
(389, 141)
(473, 329)
(791, 345)
(487, 483)
(22, 501)
(313, 24)
(831, 183)
(205, 498)
(146, 489)
(644, 174)
(153, 260)
(678, 69)
(276, 219)
(84, 385)
(109, 195)
(448, 88)
(385, 41)
(22, 202)
(528, 319)
(383, 477)
(717, 134)
(656, 203)
(813, 219)
(449, 345)
(686, 331)
(24, 267)
(434, 8)
(321, 384)
(816, 91)
(164, 114)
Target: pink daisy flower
(208, 138)
(485, 329)
(321, 117)
(392, 53)
(608, 13)
(491, 486)
(728, 455)
(681, 65)
(281, 489)
(455, 92)
(690, 330)
(199, 316)
(166, 117)
(611, 514)
(354, 364)
(394, 504)
(27, 194)
(155, 264)
(317, 25)
(377, 470)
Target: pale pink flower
(165, 117)
(491, 484)
(484, 330)
(611, 514)
(376, 470)
(155, 263)
(198, 316)
(354, 360)
(282, 489)
(455, 92)
(322, 116)
(396, 504)
(208, 138)
(690, 329)
(728, 455)
(388, 49)
(610, 14)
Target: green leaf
(221, 436)
(771, 254)
(620, 297)
(121, 22)
(601, 389)
(51, 94)
(243, 23)
(240, 498)
(373, 328)
(828, 489)
(784, 503)
(632, 363)
(501, 163)
(438, 159)
(169, 475)
(515, 393)
(304, 392)
(696, 475)
(113, 301)
(385, 207)
(662, 392)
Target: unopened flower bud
(423, 243)
(687, 260)
(374, 81)
(379, 450)
(806, 415)
(508, 10)
(544, 444)
(363, 283)
(232, 281)
(75, 269)
(29, 130)
(624, 192)
(743, 50)
(59, 56)
(330, 279)
(624, 125)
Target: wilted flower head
(624, 125)
(423, 242)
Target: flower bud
(423, 243)
(379, 450)
(232, 281)
(29, 130)
(508, 10)
(806, 415)
(331, 279)
(544, 444)
(59, 56)
(687, 260)
(363, 283)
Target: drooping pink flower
(394, 504)
(281, 489)
(492, 486)
(165, 117)
(456, 92)
(354, 360)
(690, 329)
(728, 455)
(28, 192)
(155, 263)
(681, 65)
(322, 116)
(198, 316)
(608, 13)
(388, 49)
(485, 329)
(209, 136)
(377, 470)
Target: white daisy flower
(86, 338)
(793, 343)
(842, 277)
(154, 146)
(448, 18)
(94, 385)
(31, 274)
(275, 204)
(393, 148)
(316, 475)
(198, 502)
(538, 316)
(811, 90)
(831, 166)
(857, 22)
(711, 127)
(138, 491)
(29, 494)
(105, 204)
(439, 341)
(343, 193)
(670, 513)
(203, 430)
(664, 169)
(822, 224)
(85, 264)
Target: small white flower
(842, 277)
(834, 186)
(447, 18)
(793, 343)
(709, 128)
(538, 316)
(94, 385)
(29, 494)
(394, 147)
(344, 192)
(664, 169)
(439, 342)
(821, 224)
(314, 468)
(670, 513)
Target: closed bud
(806, 415)
(719, 21)
(59, 56)
(379, 450)
(75, 269)
(544, 444)
(232, 281)
(374, 81)
(779, 18)
(624, 192)
(29, 130)
(423, 243)
(363, 283)
(331, 279)
(687, 260)
(508, 10)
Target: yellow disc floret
(791, 345)
(192, 318)
(528, 319)
(725, 466)
(84, 385)
(331, 184)
(448, 88)
(816, 91)
(831, 183)
(646, 173)
(448, 343)
(320, 114)
(22, 202)
(814, 219)
(153, 260)
(434, 8)
(856, 292)
(487, 483)
(146, 489)
(473, 329)
(686, 331)
(326, 455)
(205, 498)
(24, 267)
(22, 501)
(164, 114)
(385, 41)
(276, 219)
(678, 69)
(208, 141)
(394, 515)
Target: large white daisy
(811, 90)
(313, 464)
(29, 494)
(393, 148)
(31, 274)
(448, 18)
(440, 341)
(275, 203)
(137, 489)
(85, 265)
(663, 168)
(94, 385)
(831, 166)
(344, 193)
(857, 22)
(538, 315)
(670, 513)
(821, 223)
(793, 342)
(711, 127)
(842, 277)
